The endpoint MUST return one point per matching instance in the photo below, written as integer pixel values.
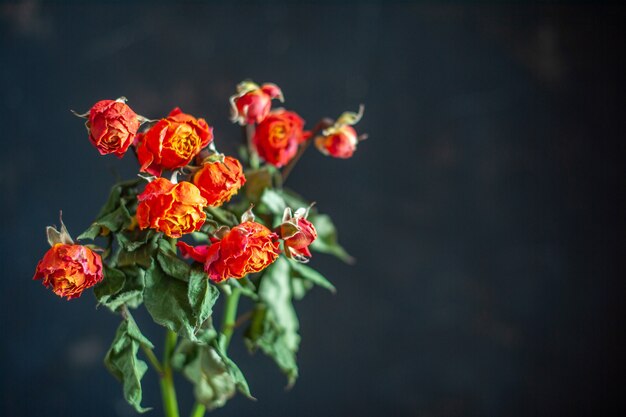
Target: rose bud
(278, 136)
(69, 269)
(252, 103)
(112, 126)
(218, 181)
(340, 139)
(297, 233)
(172, 142)
(247, 248)
(174, 209)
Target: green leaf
(235, 372)
(202, 295)
(141, 256)
(205, 369)
(110, 285)
(222, 216)
(121, 360)
(273, 201)
(257, 180)
(131, 292)
(115, 214)
(311, 275)
(326, 241)
(174, 266)
(167, 302)
(274, 325)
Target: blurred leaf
(205, 369)
(310, 274)
(273, 201)
(121, 360)
(274, 325)
(326, 241)
(235, 372)
(222, 216)
(256, 181)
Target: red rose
(297, 233)
(69, 269)
(172, 142)
(340, 144)
(299, 242)
(247, 248)
(278, 136)
(112, 127)
(174, 209)
(252, 103)
(219, 181)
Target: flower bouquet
(178, 243)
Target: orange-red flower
(112, 127)
(219, 181)
(174, 209)
(247, 248)
(340, 144)
(172, 142)
(277, 137)
(252, 103)
(69, 269)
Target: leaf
(131, 292)
(121, 360)
(114, 215)
(202, 295)
(141, 256)
(274, 325)
(311, 275)
(326, 241)
(222, 216)
(205, 369)
(235, 372)
(256, 181)
(111, 284)
(273, 201)
(167, 302)
(174, 266)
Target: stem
(153, 360)
(248, 132)
(198, 410)
(228, 321)
(168, 392)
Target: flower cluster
(187, 189)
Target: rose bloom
(219, 181)
(298, 243)
(340, 144)
(277, 137)
(69, 269)
(112, 127)
(172, 142)
(247, 248)
(174, 209)
(253, 103)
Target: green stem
(170, 403)
(198, 410)
(230, 314)
(152, 359)
(248, 132)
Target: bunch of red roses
(232, 250)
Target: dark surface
(486, 210)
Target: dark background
(485, 210)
